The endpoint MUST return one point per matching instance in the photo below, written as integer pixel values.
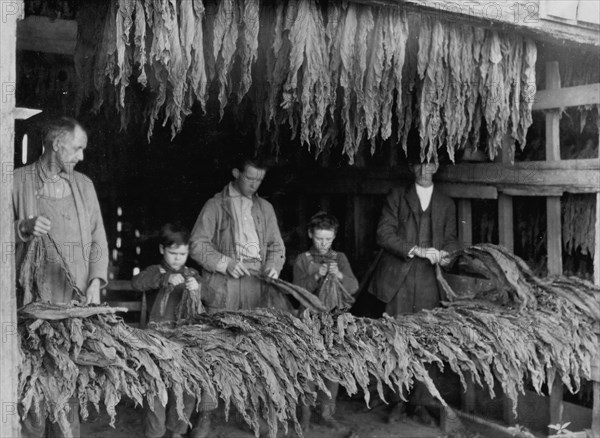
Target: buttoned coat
(398, 233)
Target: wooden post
(465, 222)
(506, 235)
(506, 238)
(9, 357)
(596, 366)
(553, 220)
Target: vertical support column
(553, 219)
(465, 222)
(596, 364)
(9, 358)
(506, 235)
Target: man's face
(248, 181)
(70, 149)
(322, 240)
(424, 173)
(175, 256)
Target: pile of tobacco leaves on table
(261, 361)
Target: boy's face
(175, 256)
(322, 240)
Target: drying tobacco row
(260, 362)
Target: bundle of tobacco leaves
(334, 295)
(468, 75)
(261, 361)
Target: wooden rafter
(511, 15)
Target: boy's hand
(322, 270)
(237, 269)
(271, 273)
(334, 269)
(175, 279)
(191, 284)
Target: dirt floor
(361, 421)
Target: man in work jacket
(237, 235)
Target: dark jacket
(398, 232)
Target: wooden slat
(596, 410)
(597, 243)
(9, 354)
(505, 222)
(465, 222)
(567, 97)
(553, 213)
(468, 191)
(43, 34)
(124, 285)
(556, 403)
(531, 190)
(25, 113)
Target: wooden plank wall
(9, 357)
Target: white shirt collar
(424, 194)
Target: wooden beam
(44, 34)
(468, 191)
(465, 224)
(553, 212)
(537, 178)
(9, 355)
(567, 97)
(574, 176)
(504, 15)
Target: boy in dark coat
(177, 286)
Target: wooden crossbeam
(482, 180)
(43, 34)
(567, 97)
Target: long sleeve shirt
(156, 277)
(308, 263)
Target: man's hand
(35, 226)
(431, 254)
(191, 284)
(237, 269)
(92, 294)
(335, 270)
(445, 258)
(271, 273)
(176, 279)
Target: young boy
(172, 279)
(310, 271)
